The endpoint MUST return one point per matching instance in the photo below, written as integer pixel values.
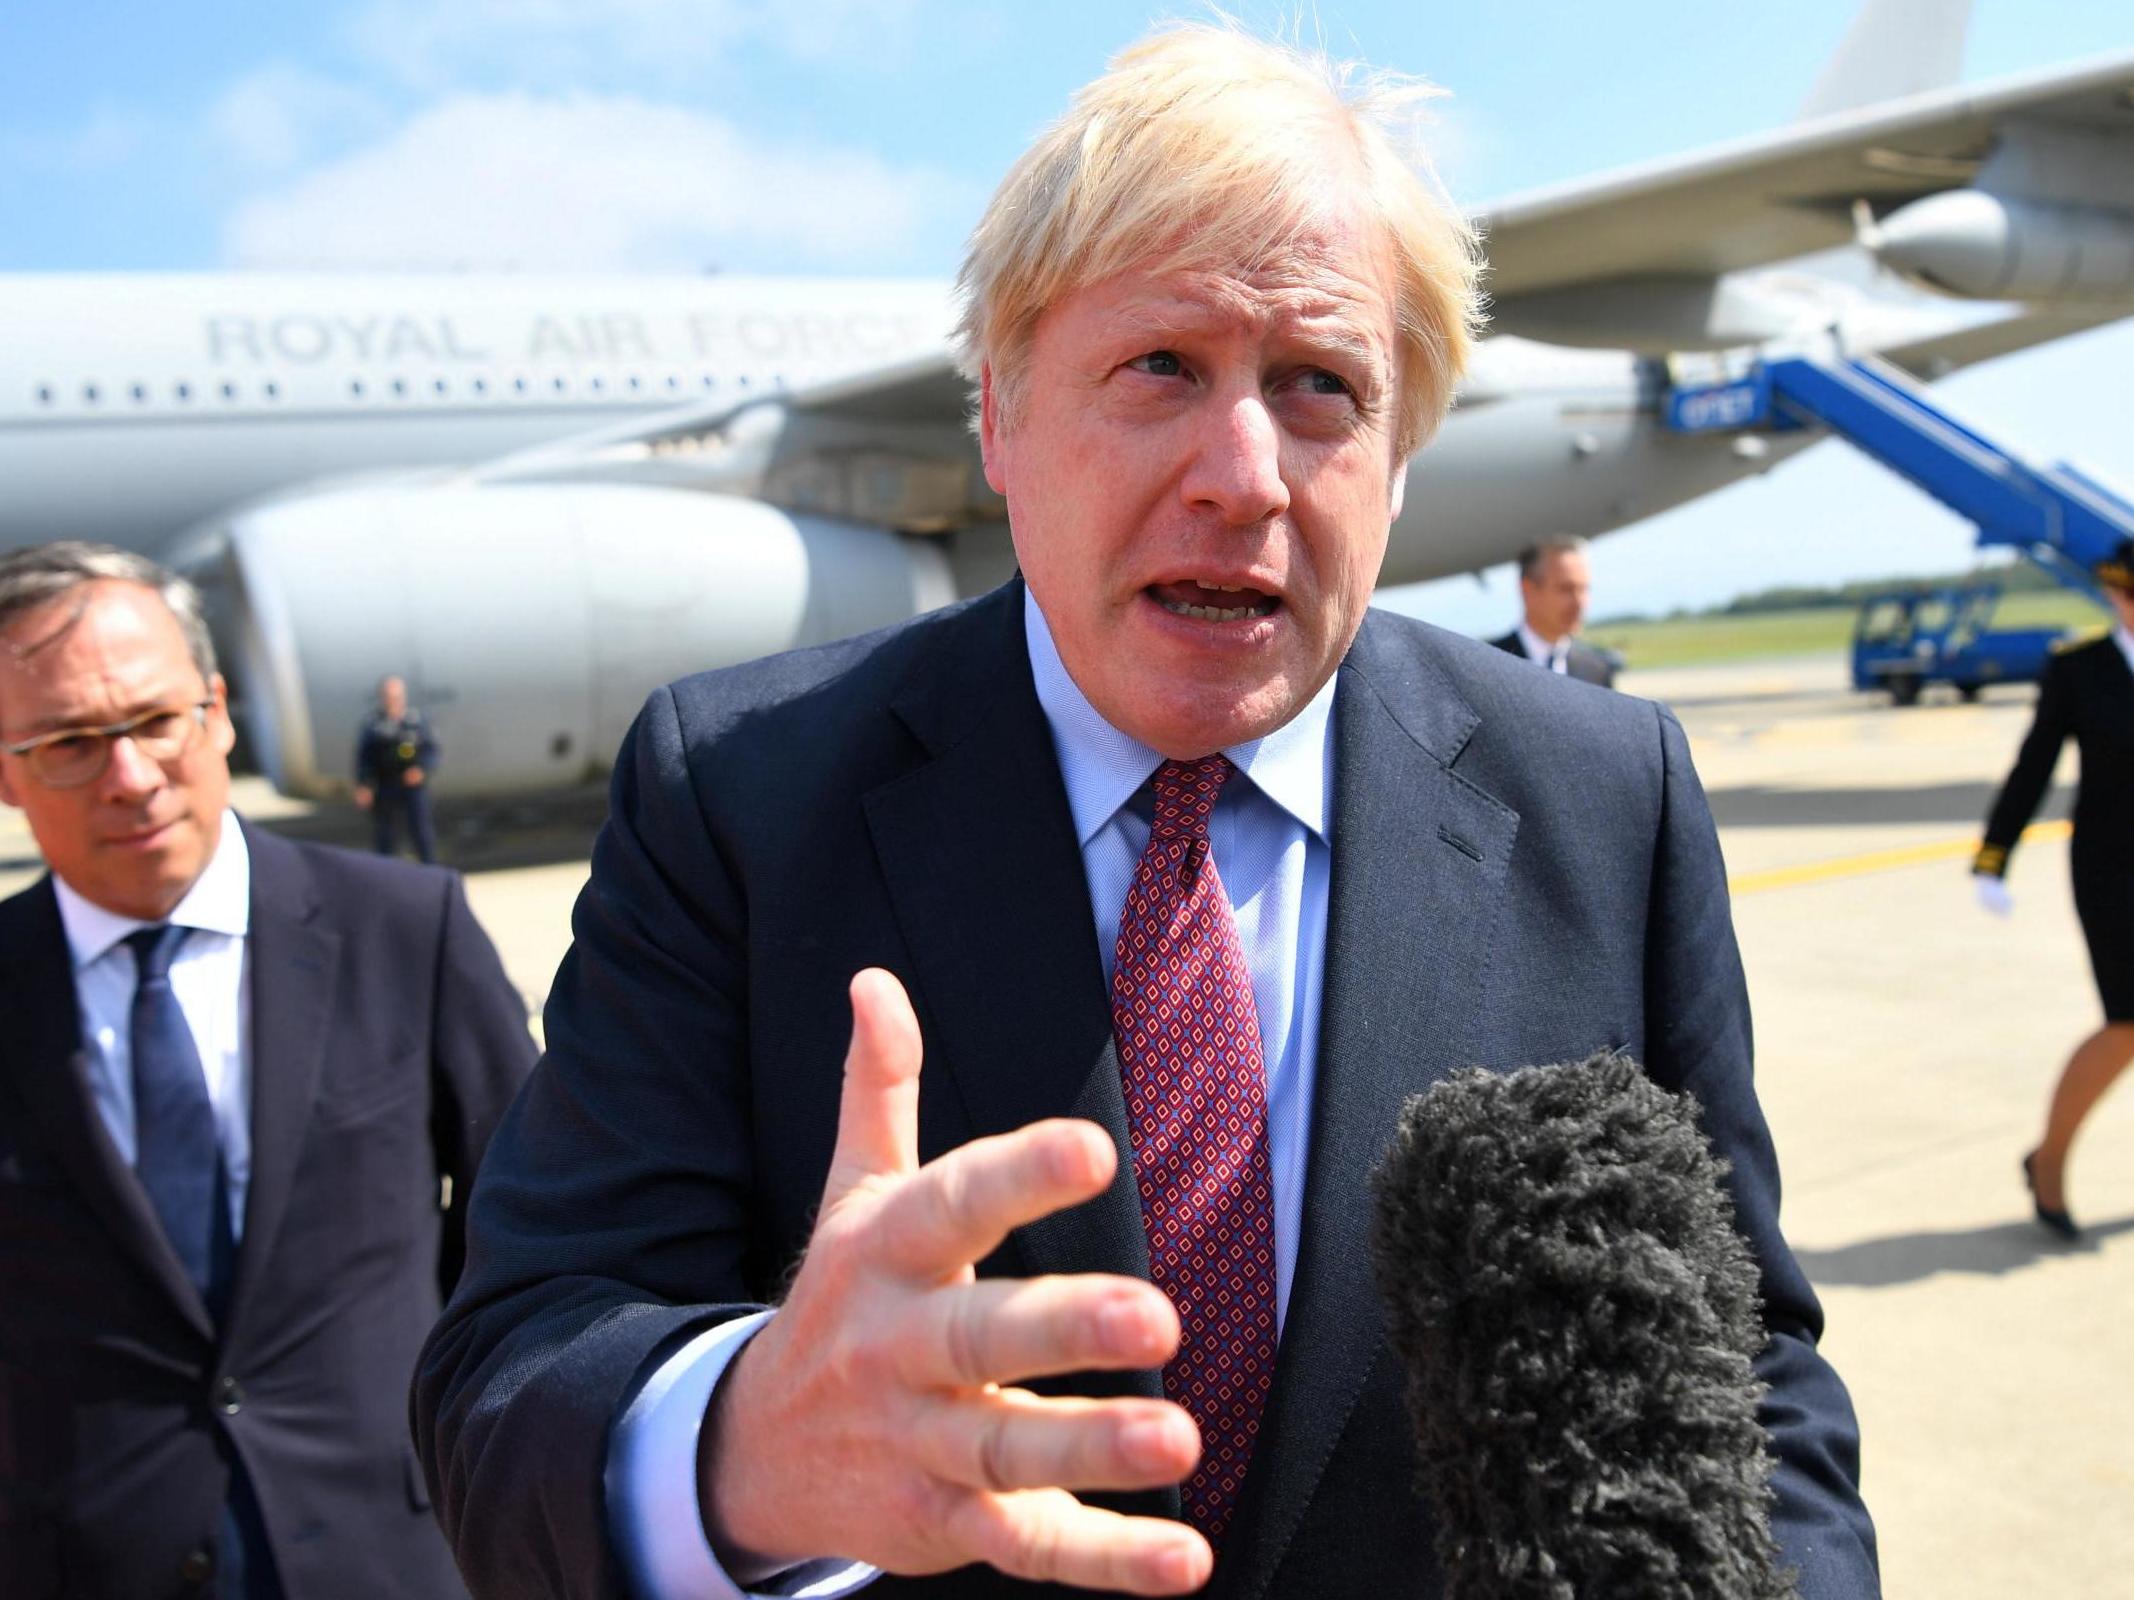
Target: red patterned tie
(1196, 1101)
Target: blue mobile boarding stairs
(2056, 515)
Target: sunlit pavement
(1906, 1042)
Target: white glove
(1993, 894)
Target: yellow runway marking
(1878, 861)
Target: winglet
(1894, 49)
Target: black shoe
(2050, 1220)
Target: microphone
(1578, 1317)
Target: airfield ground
(1905, 1045)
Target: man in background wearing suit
(238, 1075)
(1176, 873)
(395, 755)
(1555, 582)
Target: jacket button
(197, 1567)
(230, 1395)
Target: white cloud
(282, 115)
(109, 137)
(434, 45)
(587, 183)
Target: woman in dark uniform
(2087, 692)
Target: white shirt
(212, 981)
(1271, 841)
(1556, 657)
(2124, 638)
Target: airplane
(536, 499)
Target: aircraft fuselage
(134, 407)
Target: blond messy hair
(1205, 148)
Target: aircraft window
(710, 382)
(89, 394)
(636, 382)
(229, 391)
(400, 386)
(355, 387)
(140, 394)
(44, 394)
(558, 385)
(481, 385)
(184, 391)
(673, 382)
(519, 384)
(597, 385)
(274, 391)
(744, 380)
(441, 386)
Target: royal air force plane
(539, 498)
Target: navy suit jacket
(1524, 870)
(385, 1043)
(1581, 661)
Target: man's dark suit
(1523, 871)
(385, 1043)
(1581, 661)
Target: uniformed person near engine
(2087, 693)
(395, 756)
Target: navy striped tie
(176, 1153)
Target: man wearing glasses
(241, 1082)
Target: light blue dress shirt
(212, 980)
(1270, 839)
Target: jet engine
(1979, 246)
(530, 621)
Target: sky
(863, 136)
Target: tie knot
(154, 949)
(1185, 795)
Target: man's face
(1200, 480)
(133, 839)
(1556, 594)
(393, 697)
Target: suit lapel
(977, 847)
(293, 964)
(1419, 861)
(52, 1077)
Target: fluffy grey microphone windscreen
(1577, 1316)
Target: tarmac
(1906, 1043)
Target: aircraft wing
(1751, 202)
(890, 446)
(1935, 355)
(925, 392)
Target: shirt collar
(1539, 649)
(2125, 637)
(220, 901)
(1104, 767)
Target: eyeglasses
(75, 756)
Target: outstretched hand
(871, 1419)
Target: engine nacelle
(1978, 246)
(530, 621)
